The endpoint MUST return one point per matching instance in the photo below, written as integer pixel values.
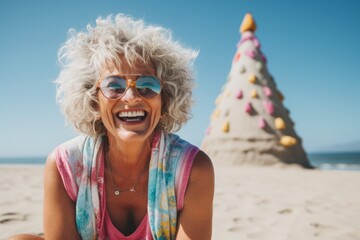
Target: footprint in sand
(12, 216)
(285, 211)
(308, 210)
(321, 226)
(236, 219)
(236, 229)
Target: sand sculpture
(250, 123)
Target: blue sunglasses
(114, 87)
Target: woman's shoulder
(66, 163)
(202, 177)
(70, 153)
(202, 166)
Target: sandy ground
(250, 203)
(21, 195)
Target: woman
(126, 86)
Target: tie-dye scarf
(167, 150)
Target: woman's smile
(132, 116)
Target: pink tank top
(142, 232)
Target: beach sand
(21, 195)
(250, 203)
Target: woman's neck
(129, 156)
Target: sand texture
(286, 203)
(250, 203)
(21, 196)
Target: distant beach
(325, 161)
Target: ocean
(23, 160)
(349, 161)
(336, 161)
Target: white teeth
(132, 114)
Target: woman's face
(130, 118)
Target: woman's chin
(133, 135)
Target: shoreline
(333, 161)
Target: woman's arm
(195, 220)
(59, 209)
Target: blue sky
(312, 49)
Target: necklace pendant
(132, 189)
(117, 192)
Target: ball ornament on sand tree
(250, 123)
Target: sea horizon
(349, 160)
(342, 160)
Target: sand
(291, 203)
(250, 203)
(21, 195)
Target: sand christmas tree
(250, 123)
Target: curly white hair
(84, 54)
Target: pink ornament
(239, 95)
(262, 123)
(245, 37)
(248, 107)
(269, 107)
(250, 54)
(267, 91)
(256, 43)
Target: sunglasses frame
(129, 83)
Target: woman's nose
(131, 96)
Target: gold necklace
(116, 189)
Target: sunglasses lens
(113, 87)
(148, 86)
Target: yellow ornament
(279, 123)
(254, 94)
(288, 141)
(248, 24)
(226, 126)
(252, 78)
